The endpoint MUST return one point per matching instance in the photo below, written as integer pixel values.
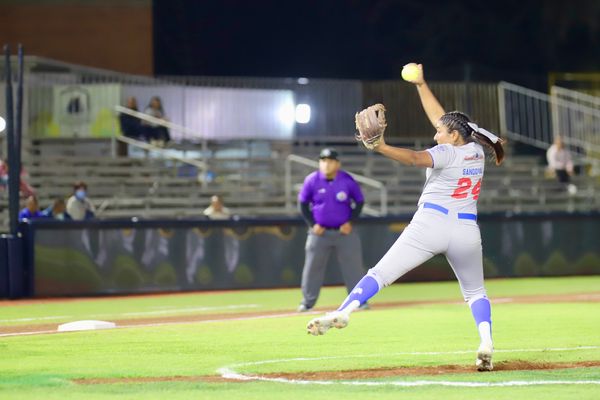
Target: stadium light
(286, 113)
(2, 124)
(302, 113)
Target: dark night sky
(516, 40)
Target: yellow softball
(410, 72)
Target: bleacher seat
(255, 186)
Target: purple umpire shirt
(331, 200)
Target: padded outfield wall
(120, 257)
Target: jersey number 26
(464, 185)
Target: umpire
(329, 200)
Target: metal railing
(536, 118)
(368, 210)
(201, 165)
(167, 154)
(574, 96)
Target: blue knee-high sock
(482, 312)
(363, 291)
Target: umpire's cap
(330, 153)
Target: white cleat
(484, 357)
(320, 325)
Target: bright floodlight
(302, 113)
(2, 124)
(303, 81)
(286, 113)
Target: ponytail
(487, 143)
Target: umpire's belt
(445, 211)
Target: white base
(85, 326)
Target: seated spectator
(58, 210)
(156, 134)
(24, 188)
(79, 205)
(131, 126)
(31, 210)
(559, 160)
(3, 175)
(217, 210)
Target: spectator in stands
(31, 210)
(24, 188)
(3, 175)
(58, 210)
(217, 209)
(79, 205)
(231, 244)
(560, 162)
(131, 126)
(156, 134)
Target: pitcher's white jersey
(445, 223)
(454, 181)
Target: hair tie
(484, 132)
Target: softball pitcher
(446, 219)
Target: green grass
(269, 300)
(42, 366)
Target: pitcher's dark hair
(459, 121)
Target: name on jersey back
(472, 171)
